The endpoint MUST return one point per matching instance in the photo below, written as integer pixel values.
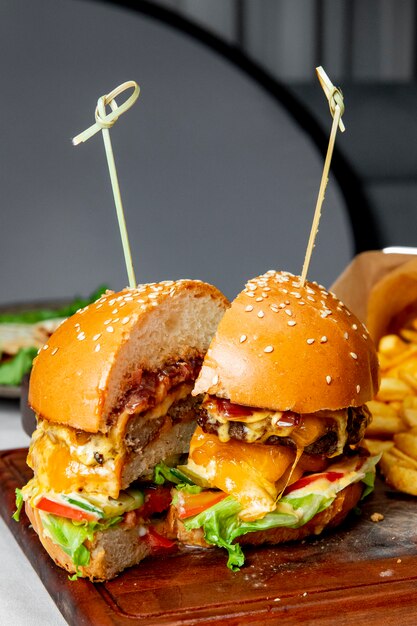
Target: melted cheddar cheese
(251, 473)
(64, 462)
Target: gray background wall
(218, 182)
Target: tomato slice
(157, 541)
(62, 510)
(195, 503)
(157, 500)
(307, 480)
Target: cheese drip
(248, 472)
(66, 461)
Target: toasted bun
(285, 347)
(111, 551)
(331, 517)
(78, 376)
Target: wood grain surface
(365, 572)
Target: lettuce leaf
(19, 504)
(70, 536)
(13, 370)
(163, 473)
(222, 525)
(40, 315)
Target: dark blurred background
(220, 159)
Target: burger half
(112, 393)
(277, 452)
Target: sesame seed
(81, 336)
(282, 305)
(323, 339)
(355, 326)
(242, 338)
(311, 298)
(115, 311)
(97, 348)
(99, 306)
(96, 336)
(269, 349)
(252, 287)
(116, 319)
(346, 335)
(258, 299)
(291, 323)
(274, 308)
(250, 294)
(110, 329)
(267, 288)
(353, 355)
(348, 313)
(287, 302)
(122, 304)
(261, 314)
(45, 347)
(310, 341)
(301, 302)
(128, 299)
(54, 351)
(288, 312)
(125, 320)
(358, 388)
(249, 308)
(364, 336)
(328, 379)
(153, 295)
(107, 322)
(215, 380)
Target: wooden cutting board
(365, 572)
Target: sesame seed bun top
(79, 375)
(285, 347)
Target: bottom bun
(345, 501)
(111, 550)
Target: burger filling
(324, 432)
(68, 460)
(273, 468)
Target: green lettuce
(70, 536)
(40, 315)
(19, 504)
(13, 370)
(163, 473)
(222, 525)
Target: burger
(112, 393)
(276, 455)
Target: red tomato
(157, 500)
(307, 480)
(62, 510)
(157, 541)
(194, 503)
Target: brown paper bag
(381, 289)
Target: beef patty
(327, 443)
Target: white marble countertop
(24, 601)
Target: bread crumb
(377, 517)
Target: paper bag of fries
(381, 289)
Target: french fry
(391, 346)
(393, 389)
(403, 478)
(408, 378)
(376, 446)
(384, 426)
(407, 443)
(393, 430)
(381, 408)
